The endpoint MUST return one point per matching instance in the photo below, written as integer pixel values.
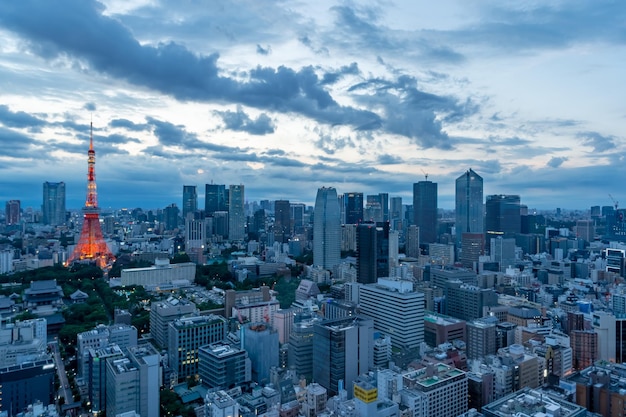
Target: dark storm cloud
(358, 26)
(239, 121)
(127, 124)
(387, 159)
(263, 51)
(556, 161)
(334, 76)
(19, 119)
(172, 69)
(330, 144)
(78, 29)
(546, 25)
(599, 143)
(15, 144)
(411, 112)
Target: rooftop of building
(529, 402)
(441, 319)
(432, 375)
(221, 349)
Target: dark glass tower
(190, 200)
(53, 209)
(372, 246)
(326, 229)
(354, 207)
(425, 210)
(215, 198)
(469, 204)
(503, 216)
(282, 220)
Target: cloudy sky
(285, 97)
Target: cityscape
(334, 208)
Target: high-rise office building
(297, 217)
(342, 350)
(372, 246)
(162, 313)
(260, 340)
(236, 213)
(326, 229)
(373, 208)
(53, 209)
(425, 210)
(13, 212)
(481, 337)
(354, 207)
(466, 302)
(171, 216)
(384, 203)
(473, 245)
(215, 198)
(132, 382)
(396, 309)
(469, 204)
(395, 213)
(223, 366)
(190, 200)
(186, 335)
(502, 216)
(282, 221)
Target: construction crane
(425, 174)
(615, 202)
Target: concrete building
(396, 309)
(161, 273)
(435, 391)
(133, 382)
(96, 375)
(220, 404)
(342, 350)
(186, 335)
(260, 340)
(466, 302)
(529, 402)
(481, 337)
(236, 212)
(601, 388)
(223, 366)
(439, 329)
(162, 313)
(27, 382)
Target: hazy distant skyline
(286, 97)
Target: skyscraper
(53, 203)
(372, 246)
(469, 204)
(342, 350)
(190, 200)
(354, 207)
(13, 212)
(326, 229)
(282, 220)
(503, 216)
(215, 198)
(236, 213)
(396, 309)
(395, 213)
(425, 210)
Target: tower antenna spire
(91, 245)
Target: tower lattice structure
(91, 245)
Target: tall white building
(327, 229)
(397, 310)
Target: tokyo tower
(91, 245)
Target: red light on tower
(91, 245)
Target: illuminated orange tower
(91, 245)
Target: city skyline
(285, 99)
